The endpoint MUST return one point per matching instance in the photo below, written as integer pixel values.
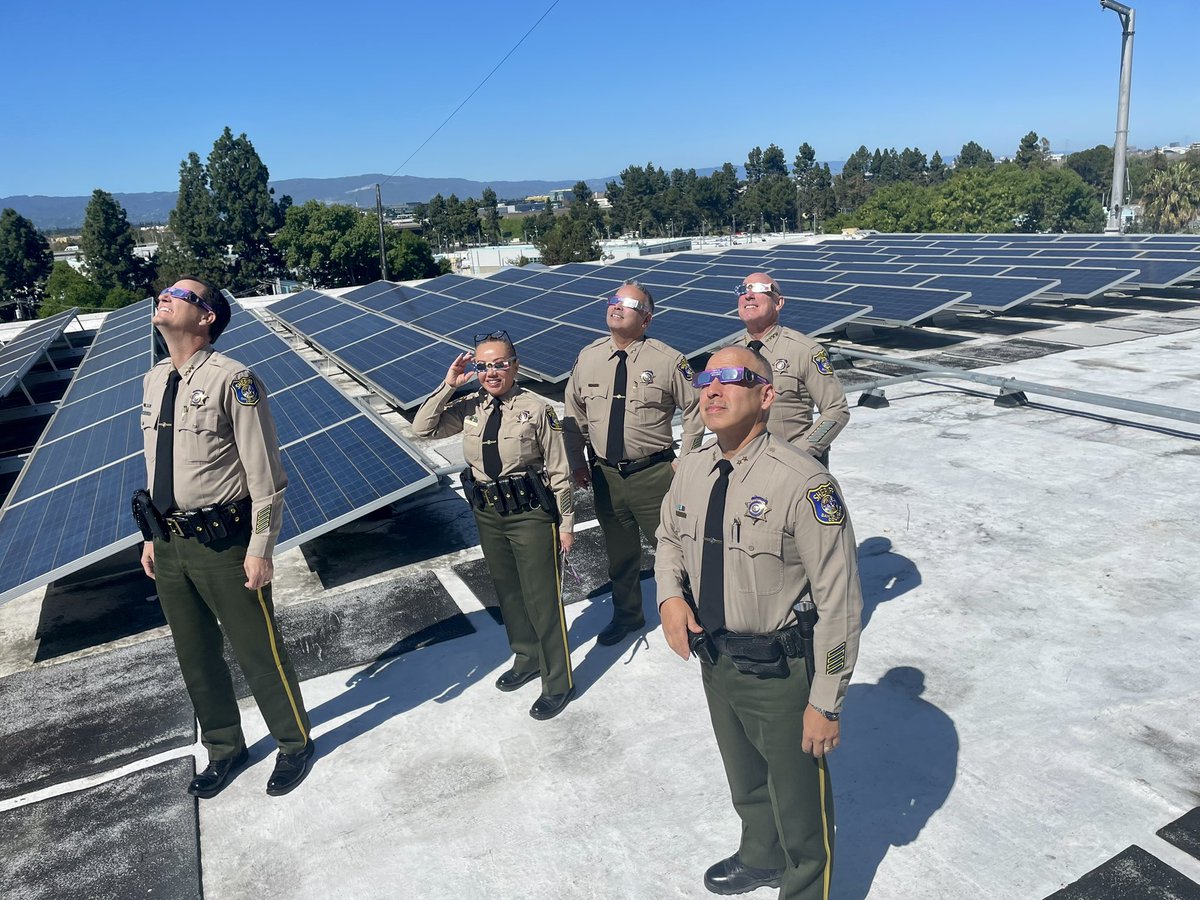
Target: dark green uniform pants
(623, 504)
(202, 589)
(781, 793)
(521, 550)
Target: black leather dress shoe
(290, 770)
(512, 679)
(548, 706)
(732, 876)
(219, 773)
(614, 631)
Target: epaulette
(792, 457)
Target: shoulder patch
(827, 505)
(245, 390)
(552, 417)
(821, 361)
(685, 369)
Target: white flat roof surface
(1024, 705)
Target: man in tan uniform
(802, 372)
(217, 482)
(753, 526)
(622, 395)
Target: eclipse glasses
(728, 375)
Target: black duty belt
(629, 466)
(761, 655)
(209, 523)
(510, 493)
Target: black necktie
(756, 346)
(492, 466)
(162, 495)
(614, 447)
(712, 559)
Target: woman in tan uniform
(517, 482)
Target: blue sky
(114, 95)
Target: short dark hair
(220, 306)
(497, 337)
(634, 283)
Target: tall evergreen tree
(491, 216)
(938, 170)
(107, 244)
(25, 263)
(242, 200)
(1031, 154)
(973, 156)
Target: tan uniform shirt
(225, 443)
(660, 380)
(530, 435)
(786, 532)
(803, 375)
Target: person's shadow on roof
(400, 680)
(894, 769)
(884, 574)
(589, 623)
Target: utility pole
(382, 244)
(1116, 220)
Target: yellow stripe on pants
(262, 602)
(822, 769)
(562, 612)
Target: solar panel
(70, 506)
(900, 306)
(21, 354)
(367, 343)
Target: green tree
(107, 244)
(584, 207)
(1095, 167)
(491, 216)
(973, 156)
(938, 170)
(1033, 152)
(913, 166)
(1171, 199)
(25, 261)
(638, 199)
(242, 200)
(774, 163)
(716, 197)
(812, 188)
(330, 246)
(900, 207)
(568, 240)
(1009, 198)
(195, 248)
(410, 257)
(66, 288)
(851, 185)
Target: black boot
(219, 773)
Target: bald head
(740, 355)
(759, 306)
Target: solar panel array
(21, 354)
(400, 339)
(70, 506)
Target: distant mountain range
(52, 213)
(151, 208)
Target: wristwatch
(831, 716)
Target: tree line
(228, 227)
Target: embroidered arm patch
(245, 390)
(835, 659)
(827, 506)
(821, 361)
(552, 417)
(685, 369)
(263, 522)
